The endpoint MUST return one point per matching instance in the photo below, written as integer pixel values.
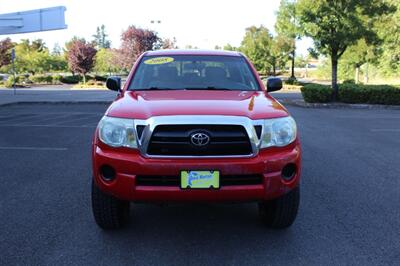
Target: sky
(201, 23)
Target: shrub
(89, 77)
(349, 81)
(372, 94)
(10, 81)
(100, 78)
(41, 79)
(292, 81)
(57, 79)
(353, 93)
(316, 93)
(70, 79)
(48, 79)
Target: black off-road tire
(108, 211)
(280, 213)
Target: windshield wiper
(209, 88)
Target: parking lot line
(385, 130)
(377, 116)
(56, 126)
(17, 117)
(44, 118)
(34, 148)
(76, 119)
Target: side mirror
(114, 83)
(274, 84)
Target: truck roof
(191, 52)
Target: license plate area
(193, 179)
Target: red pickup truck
(195, 125)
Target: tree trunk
(366, 79)
(357, 75)
(84, 79)
(274, 70)
(306, 74)
(293, 56)
(335, 88)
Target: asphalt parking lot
(349, 214)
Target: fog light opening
(107, 173)
(289, 172)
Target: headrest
(167, 73)
(215, 73)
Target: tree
(81, 57)
(287, 26)
(38, 45)
(358, 55)
(268, 53)
(68, 46)
(100, 38)
(256, 45)
(5, 52)
(388, 28)
(189, 46)
(32, 57)
(279, 51)
(169, 44)
(336, 25)
(136, 41)
(105, 61)
(229, 47)
(56, 50)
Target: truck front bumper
(128, 164)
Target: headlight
(278, 132)
(117, 132)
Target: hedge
(53, 79)
(292, 81)
(100, 78)
(353, 93)
(70, 79)
(316, 93)
(78, 78)
(41, 79)
(372, 94)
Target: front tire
(108, 211)
(281, 212)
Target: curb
(89, 89)
(54, 102)
(303, 104)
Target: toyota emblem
(199, 139)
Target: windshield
(185, 72)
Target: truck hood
(146, 104)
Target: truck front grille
(175, 140)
